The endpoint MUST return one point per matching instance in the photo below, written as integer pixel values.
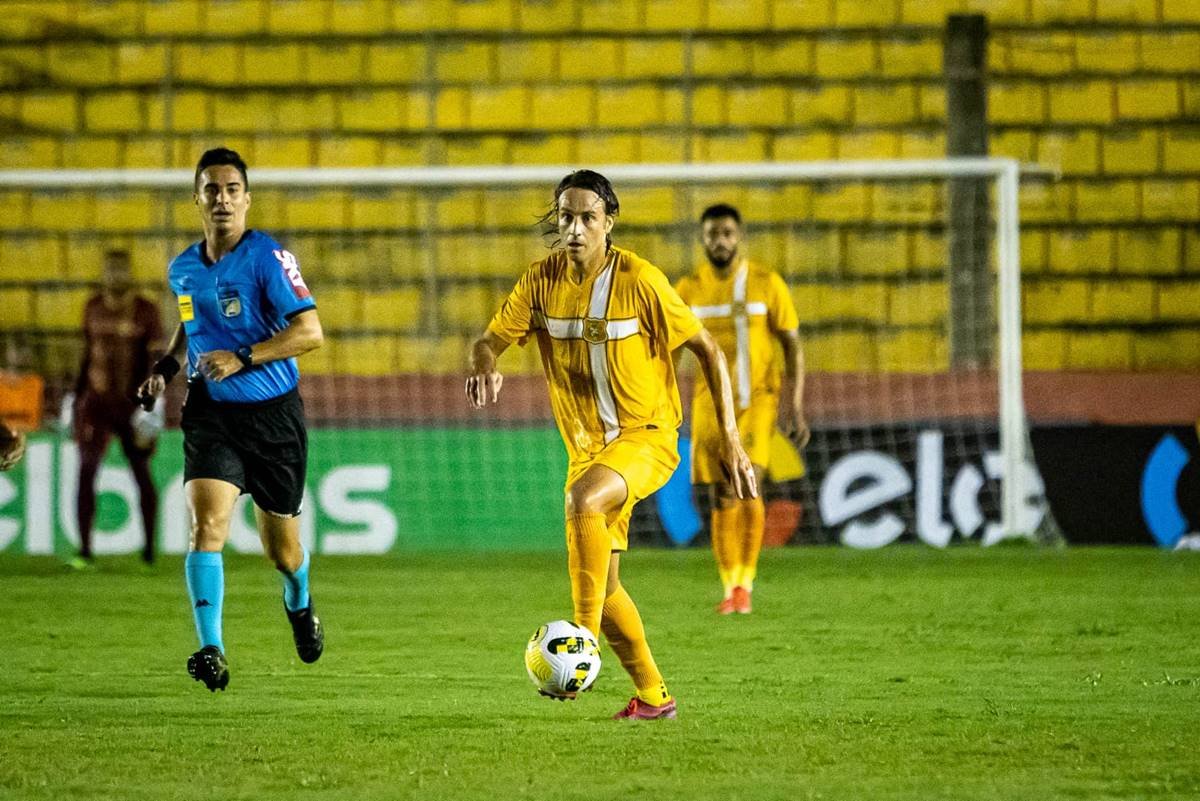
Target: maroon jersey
(117, 347)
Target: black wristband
(167, 367)
(245, 354)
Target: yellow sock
(726, 547)
(753, 523)
(589, 548)
(627, 637)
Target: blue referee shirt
(243, 299)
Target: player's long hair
(580, 179)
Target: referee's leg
(210, 504)
(280, 536)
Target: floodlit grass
(906, 673)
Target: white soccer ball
(562, 659)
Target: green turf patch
(905, 673)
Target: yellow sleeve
(684, 287)
(781, 312)
(514, 320)
(664, 311)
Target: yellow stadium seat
(315, 111)
(804, 146)
(59, 309)
(366, 355)
(1147, 99)
(803, 13)
(14, 210)
(467, 307)
(909, 58)
(1033, 251)
(1122, 301)
(885, 105)
(34, 18)
(912, 352)
(271, 150)
(1055, 301)
(50, 111)
(709, 106)
(395, 62)
(458, 208)
(75, 63)
(378, 110)
(1179, 301)
(470, 150)
(841, 202)
(18, 308)
(928, 251)
(84, 257)
(318, 209)
(298, 16)
(841, 302)
(164, 17)
(603, 58)
(207, 63)
(383, 208)
(518, 207)
(645, 205)
(1082, 102)
(1170, 198)
(393, 309)
(1150, 250)
(1105, 200)
(270, 210)
(1081, 250)
(918, 303)
(758, 105)
(609, 15)
(1107, 52)
(340, 307)
(868, 144)
(768, 248)
(128, 210)
(464, 60)
(782, 202)
(1170, 51)
(673, 14)
(470, 255)
(542, 150)
(605, 148)
(272, 64)
(1169, 350)
(1099, 350)
(405, 256)
(738, 14)
(845, 58)
(334, 62)
(744, 146)
(781, 58)
(558, 107)
(721, 58)
(1074, 152)
(141, 62)
(1180, 11)
(825, 103)
(922, 144)
(839, 352)
(1013, 144)
(653, 58)
(1044, 350)
(62, 210)
(245, 16)
(527, 60)
(501, 107)
(904, 201)
(1016, 101)
(417, 355)
(245, 112)
(348, 151)
(876, 252)
(119, 111)
(1181, 149)
(813, 250)
(1130, 151)
(1042, 201)
(630, 105)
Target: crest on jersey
(595, 330)
(231, 305)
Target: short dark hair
(218, 156)
(718, 211)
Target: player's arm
(794, 425)
(484, 382)
(165, 368)
(716, 373)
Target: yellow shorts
(645, 458)
(756, 424)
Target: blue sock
(295, 586)
(206, 587)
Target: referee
(245, 314)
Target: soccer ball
(562, 659)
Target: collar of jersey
(207, 262)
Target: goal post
(860, 243)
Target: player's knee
(209, 533)
(584, 500)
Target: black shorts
(262, 448)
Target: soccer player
(120, 331)
(746, 307)
(606, 322)
(245, 314)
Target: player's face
(721, 238)
(116, 275)
(583, 225)
(223, 200)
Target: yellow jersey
(605, 342)
(742, 311)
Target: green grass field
(905, 673)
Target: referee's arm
(302, 334)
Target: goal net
(905, 275)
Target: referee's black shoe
(307, 632)
(209, 666)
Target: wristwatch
(244, 353)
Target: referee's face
(223, 200)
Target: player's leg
(281, 543)
(725, 523)
(210, 505)
(626, 635)
(92, 435)
(590, 499)
(139, 465)
(752, 524)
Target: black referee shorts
(262, 448)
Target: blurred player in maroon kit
(120, 331)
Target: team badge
(739, 308)
(595, 330)
(231, 304)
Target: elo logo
(1160, 479)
